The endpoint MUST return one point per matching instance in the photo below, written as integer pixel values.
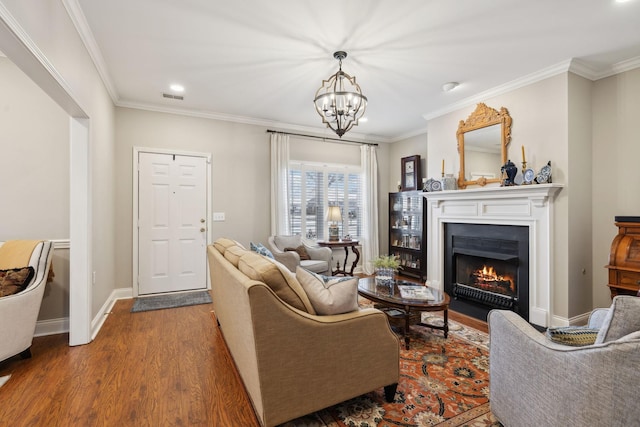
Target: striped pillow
(576, 336)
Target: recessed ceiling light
(177, 88)
(450, 86)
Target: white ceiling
(262, 61)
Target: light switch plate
(218, 216)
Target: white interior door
(172, 212)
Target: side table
(346, 244)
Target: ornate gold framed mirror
(482, 145)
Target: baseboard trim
(61, 325)
(52, 327)
(105, 310)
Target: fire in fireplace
(486, 266)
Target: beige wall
(540, 123)
(34, 172)
(578, 187)
(405, 148)
(240, 184)
(51, 30)
(614, 176)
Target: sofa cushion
(573, 335)
(301, 250)
(233, 254)
(222, 243)
(277, 277)
(15, 280)
(329, 295)
(260, 249)
(622, 319)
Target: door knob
(202, 230)
(202, 220)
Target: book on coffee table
(416, 292)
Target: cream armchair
(320, 261)
(536, 382)
(19, 312)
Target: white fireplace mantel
(524, 205)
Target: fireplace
(486, 266)
(527, 207)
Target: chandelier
(339, 101)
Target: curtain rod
(345, 141)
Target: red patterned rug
(443, 382)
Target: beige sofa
(292, 361)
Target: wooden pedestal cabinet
(624, 258)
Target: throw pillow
(260, 249)
(622, 319)
(576, 336)
(329, 295)
(302, 251)
(277, 277)
(15, 280)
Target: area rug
(158, 302)
(443, 382)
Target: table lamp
(334, 216)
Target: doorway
(170, 221)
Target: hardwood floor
(156, 368)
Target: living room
(584, 126)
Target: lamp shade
(334, 214)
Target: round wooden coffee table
(389, 299)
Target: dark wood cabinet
(624, 258)
(407, 232)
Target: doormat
(159, 302)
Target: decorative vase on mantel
(509, 171)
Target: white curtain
(279, 184)
(369, 238)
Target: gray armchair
(535, 382)
(320, 258)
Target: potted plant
(386, 267)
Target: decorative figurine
(544, 176)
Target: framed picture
(411, 175)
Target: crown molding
(502, 89)
(86, 35)
(24, 53)
(248, 121)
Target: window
(312, 188)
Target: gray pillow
(622, 319)
(329, 295)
